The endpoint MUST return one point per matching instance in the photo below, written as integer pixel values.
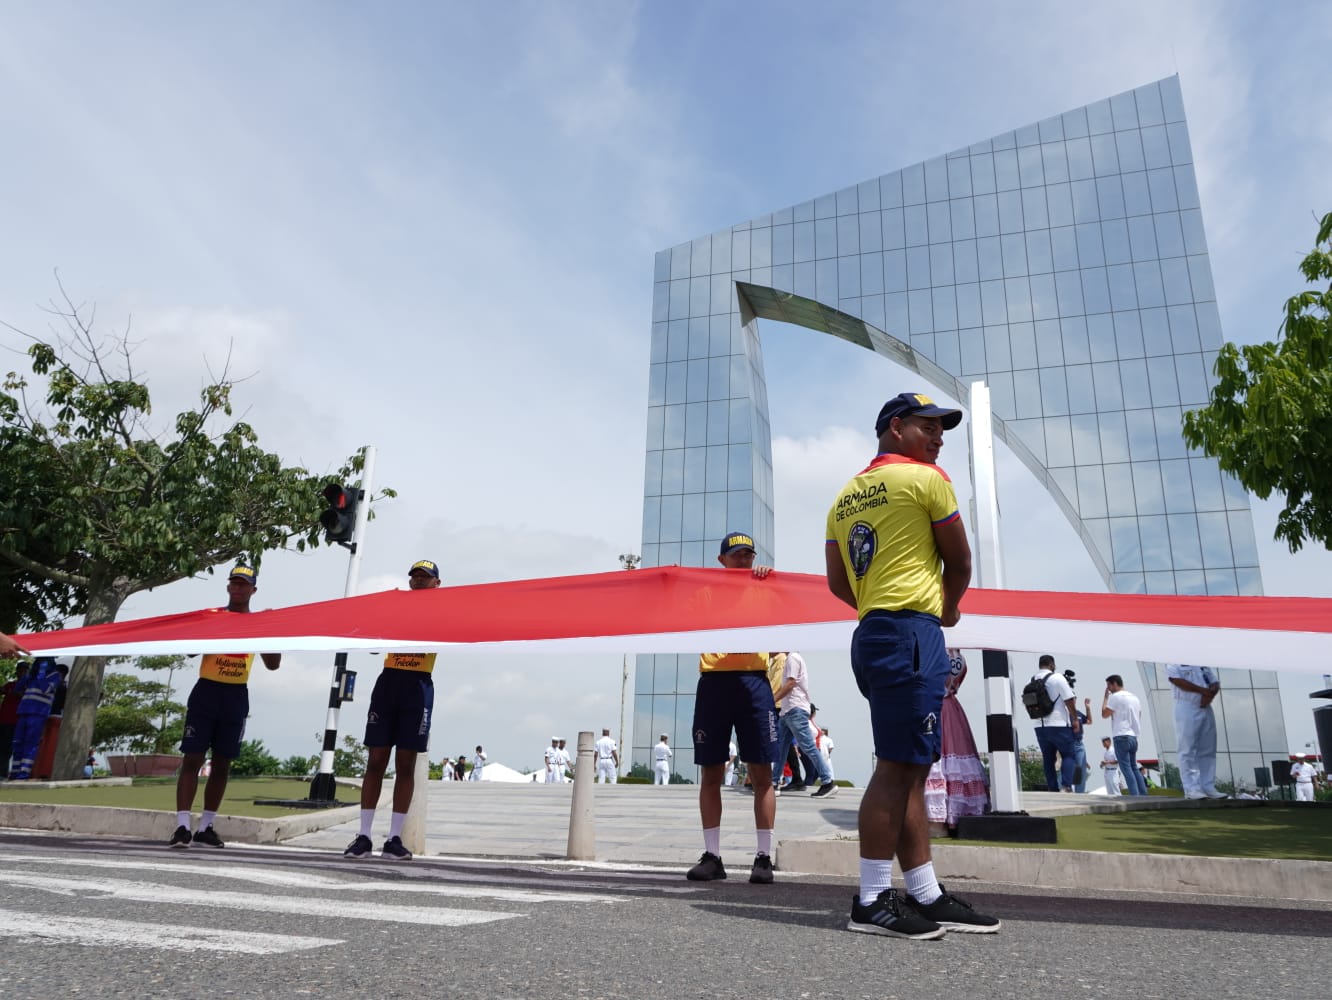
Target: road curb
(152, 824)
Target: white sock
(367, 821)
(876, 875)
(206, 818)
(921, 884)
(764, 841)
(183, 819)
(395, 824)
(712, 841)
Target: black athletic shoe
(708, 869)
(359, 849)
(825, 791)
(892, 916)
(181, 838)
(797, 786)
(761, 873)
(394, 851)
(953, 914)
(209, 836)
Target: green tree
(254, 760)
(297, 766)
(349, 760)
(96, 503)
(129, 717)
(1269, 421)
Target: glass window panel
(825, 238)
(1125, 544)
(894, 271)
(1200, 277)
(779, 276)
(696, 390)
(1142, 435)
(941, 264)
(963, 221)
(1215, 540)
(1190, 582)
(1018, 293)
(1133, 381)
(1095, 290)
(676, 379)
(1209, 329)
(1142, 238)
(1185, 549)
(677, 332)
(1010, 211)
(1124, 110)
(994, 309)
(944, 308)
(740, 241)
(1086, 440)
(700, 257)
(1161, 378)
(918, 267)
(1169, 441)
(804, 241)
(1027, 393)
(1110, 195)
(972, 343)
(1128, 334)
(1114, 437)
(1236, 496)
(673, 431)
(921, 311)
(895, 305)
(699, 298)
(694, 481)
(1051, 130)
(1119, 496)
(1064, 245)
(1091, 252)
(1115, 240)
(1191, 223)
(870, 236)
(1161, 190)
(1154, 537)
(848, 277)
(937, 221)
(894, 233)
(1054, 390)
(1129, 146)
(719, 335)
(773, 246)
(656, 385)
(680, 257)
(721, 252)
(1034, 212)
(1206, 477)
(871, 308)
(716, 460)
(1058, 442)
(719, 418)
(1105, 377)
(1030, 171)
(982, 173)
(1081, 395)
(846, 202)
(661, 302)
(1186, 187)
(1054, 162)
(1013, 251)
(656, 425)
(739, 469)
(947, 352)
(1074, 332)
(679, 307)
(696, 425)
(1059, 203)
(721, 294)
(996, 349)
(1155, 332)
(936, 179)
(1006, 170)
(959, 177)
(871, 273)
(1155, 147)
(1136, 199)
(989, 257)
(825, 280)
(1049, 344)
(890, 190)
(1022, 345)
(1241, 537)
(804, 280)
(1148, 99)
(1099, 118)
(1044, 301)
(965, 267)
(1183, 329)
(1193, 389)
(1091, 492)
(672, 482)
(848, 235)
(1178, 135)
(1086, 206)
(739, 420)
(1080, 165)
(986, 209)
(923, 344)
(913, 185)
(1105, 155)
(968, 304)
(825, 207)
(1123, 291)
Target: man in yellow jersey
(897, 552)
(734, 693)
(400, 709)
(215, 719)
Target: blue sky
(431, 227)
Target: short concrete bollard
(414, 827)
(582, 832)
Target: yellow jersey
(720, 662)
(421, 662)
(226, 668)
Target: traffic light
(339, 519)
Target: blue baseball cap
(737, 540)
(910, 404)
(425, 566)
(242, 572)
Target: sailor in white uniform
(608, 759)
(552, 761)
(1302, 773)
(661, 761)
(1195, 688)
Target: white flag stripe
(324, 883)
(28, 928)
(149, 892)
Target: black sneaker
(797, 786)
(360, 848)
(825, 791)
(953, 914)
(394, 851)
(181, 838)
(708, 869)
(892, 916)
(208, 836)
(761, 873)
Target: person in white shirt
(552, 758)
(478, 764)
(1195, 728)
(1124, 711)
(446, 772)
(1056, 733)
(793, 701)
(1109, 766)
(826, 747)
(728, 778)
(565, 764)
(608, 759)
(661, 761)
(1302, 773)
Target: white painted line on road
(151, 892)
(28, 928)
(312, 880)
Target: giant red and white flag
(673, 609)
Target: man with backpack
(1051, 705)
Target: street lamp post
(628, 560)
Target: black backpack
(1036, 697)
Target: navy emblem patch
(861, 544)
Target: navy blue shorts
(739, 700)
(901, 665)
(215, 718)
(400, 709)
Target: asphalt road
(107, 918)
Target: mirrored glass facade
(1065, 264)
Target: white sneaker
(1195, 795)
(1211, 793)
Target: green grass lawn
(1270, 831)
(160, 794)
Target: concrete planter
(143, 764)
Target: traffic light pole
(323, 787)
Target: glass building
(1065, 264)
